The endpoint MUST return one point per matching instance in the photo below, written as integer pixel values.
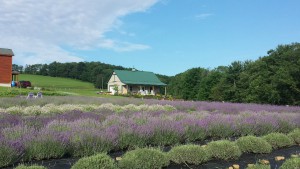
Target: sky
(162, 36)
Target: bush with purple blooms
(44, 147)
(279, 140)
(220, 130)
(132, 140)
(7, 155)
(86, 144)
(167, 137)
(195, 133)
(284, 126)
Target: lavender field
(76, 127)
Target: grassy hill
(65, 85)
(56, 82)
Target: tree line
(272, 79)
(95, 72)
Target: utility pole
(165, 90)
(102, 82)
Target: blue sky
(166, 37)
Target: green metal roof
(138, 77)
(6, 52)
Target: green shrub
(223, 150)
(30, 167)
(260, 166)
(295, 135)
(99, 161)
(252, 144)
(44, 148)
(191, 154)
(7, 155)
(278, 140)
(144, 159)
(293, 163)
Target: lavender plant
(278, 140)
(22, 132)
(99, 161)
(191, 154)
(30, 167)
(8, 120)
(284, 126)
(295, 135)
(54, 109)
(132, 140)
(224, 150)
(8, 155)
(166, 132)
(252, 144)
(195, 133)
(144, 159)
(45, 145)
(291, 163)
(86, 143)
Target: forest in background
(271, 79)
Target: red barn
(6, 67)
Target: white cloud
(203, 15)
(122, 46)
(37, 30)
(33, 51)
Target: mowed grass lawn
(55, 82)
(69, 86)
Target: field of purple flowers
(87, 127)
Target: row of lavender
(49, 109)
(78, 133)
(225, 107)
(180, 105)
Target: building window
(143, 88)
(130, 88)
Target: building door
(111, 89)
